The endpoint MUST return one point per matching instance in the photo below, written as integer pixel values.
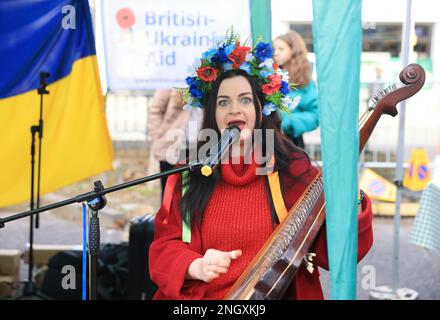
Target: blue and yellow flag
(337, 41)
(55, 37)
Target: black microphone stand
(30, 289)
(96, 201)
(41, 91)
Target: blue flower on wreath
(266, 68)
(223, 53)
(191, 80)
(195, 92)
(284, 88)
(269, 108)
(208, 55)
(263, 51)
(265, 73)
(227, 66)
(246, 66)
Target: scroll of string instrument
(274, 267)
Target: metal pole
(408, 26)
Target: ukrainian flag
(54, 36)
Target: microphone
(229, 136)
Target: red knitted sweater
(237, 216)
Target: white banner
(150, 44)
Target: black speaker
(57, 274)
(141, 234)
(112, 281)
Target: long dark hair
(200, 187)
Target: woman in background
(291, 55)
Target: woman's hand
(213, 263)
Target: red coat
(170, 258)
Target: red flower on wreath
(208, 74)
(273, 86)
(238, 55)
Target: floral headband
(256, 61)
